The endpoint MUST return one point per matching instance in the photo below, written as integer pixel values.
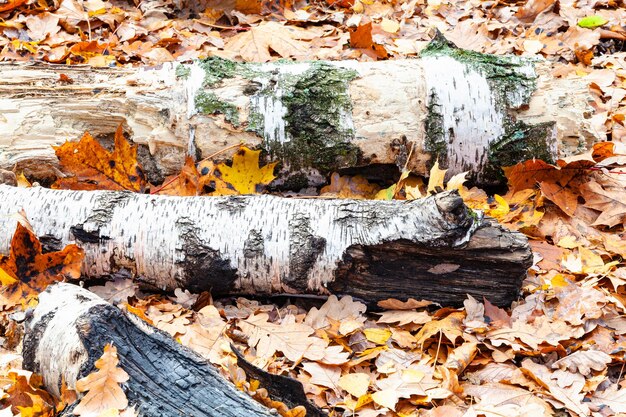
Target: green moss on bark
(319, 119)
(512, 82)
(209, 103)
(522, 142)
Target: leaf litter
(557, 348)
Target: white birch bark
(390, 106)
(66, 334)
(270, 245)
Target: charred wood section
(434, 248)
(71, 326)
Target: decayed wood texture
(67, 333)
(433, 248)
(468, 109)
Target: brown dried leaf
(103, 386)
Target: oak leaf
(95, 168)
(27, 271)
(287, 41)
(584, 361)
(103, 385)
(293, 339)
(245, 174)
(116, 291)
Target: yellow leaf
(390, 26)
(22, 181)
(413, 187)
(355, 384)
(6, 279)
(501, 209)
(386, 398)
(103, 386)
(245, 175)
(437, 176)
(386, 194)
(457, 181)
(568, 242)
(559, 281)
(378, 336)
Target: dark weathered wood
(488, 266)
(433, 248)
(67, 334)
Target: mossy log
(472, 111)
(67, 332)
(434, 248)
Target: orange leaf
(361, 37)
(26, 396)
(11, 4)
(103, 386)
(31, 270)
(349, 187)
(95, 168)
(187, 183)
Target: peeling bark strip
(473, 111)
(271, 245)
(69, 329)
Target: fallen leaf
(103, 386)
(349, 187)
(591, 22)
(95, 168)
(356, 384)
(27, 271)
(584, 361)
(293, 340)
(245, 174)
(254, 45)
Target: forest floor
(558, 349)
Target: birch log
(433, 248)
(67, 333)
(472, 111)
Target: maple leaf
(103, 385)
(95, 168)
(187, 183)
(24, 395)
(254, 45)
(27, 271)
(245, 175)
(584, 361)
